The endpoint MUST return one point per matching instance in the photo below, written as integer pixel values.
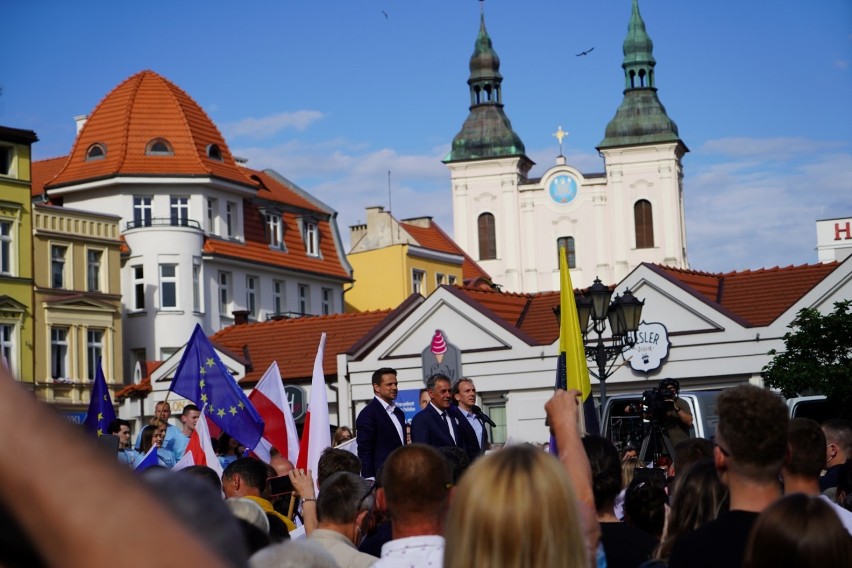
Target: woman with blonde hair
(515, 508)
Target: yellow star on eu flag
(100, 415)
(202, 371)
(233, 410)
(221, 412)
(203, 397)
(210, 362)
(100, 432)
(241, 405)
(201, 383)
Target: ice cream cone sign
(441, 357)
(439, 345)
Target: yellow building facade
(16, 252)
(77, 304)
(393, 259)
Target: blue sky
(334, 94)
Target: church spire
(487, 132)
(641, 119)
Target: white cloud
(268, 126)
(349, 178)
(756, 213)
(781, 148)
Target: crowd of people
(766, 491)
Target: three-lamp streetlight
(624, 313)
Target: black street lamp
(623, 312)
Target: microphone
(482, 416)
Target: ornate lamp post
(624, 314)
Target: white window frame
(98, 266)
(168, 281)
(225, 286)
(279, 297)
(8, 252)
(212, 214)
(143, 210)
(63, 260)
(231, 219)
(94, 349)
(327, 301)
(418, 281)
(439, 280)
(304, 299)
(179, 210)
(274, 230)
(252, 295)
(311, 238)
(451, 280)
(197, 298)
(8, 341)
(59, 352)
(137, 275)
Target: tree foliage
(817, 358)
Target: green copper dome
(487, 131)
(641, 118)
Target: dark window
(214, 152)
(159, 147)
(487, 238)
(570, 251)
(96, 152)
(643, 218)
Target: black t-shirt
(626, 546)
(720, 543)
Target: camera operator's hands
(303, 482)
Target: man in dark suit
(438, 425)
(380, 426)
(472, 427)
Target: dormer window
(159, 147)
(274, 230)
(311, 234)
(214, 152)
(96, 151)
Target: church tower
(642, 152)
(487, 162)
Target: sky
(334, 95)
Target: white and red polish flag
(270, 400)
(199, 451)
(316, 435)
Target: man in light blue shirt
(188, 420)
(121, 430)
(473, 429)
(163, 411)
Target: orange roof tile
(756, 297)
(434, 238)
(256, 246)
(293, 342)
(44, 171)
(272, 189)
(142, 108)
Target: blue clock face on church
(563, 189)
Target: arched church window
(159, 147)
(96, 151)
(570, 251)
(487, 237)
(642, 78)
(643, 220)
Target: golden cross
(560, 134)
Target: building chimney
(81, 121)
(241, 317)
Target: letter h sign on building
(651, 349)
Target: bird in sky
(588, 51)
(386, 14)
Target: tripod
(656, 440)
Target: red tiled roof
(142, 108)
(274, 190)
(142, 388)
(758, 297)
(435, 238)
(256, 246)
(45, 170)
(530, 314)
(293, 342)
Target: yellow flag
(570, 338)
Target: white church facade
(609, 222)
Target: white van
(622, 421)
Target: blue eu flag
(101, 411)
(202, 378)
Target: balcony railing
(163, 222)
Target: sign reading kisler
(651, 348)
(441, 357)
